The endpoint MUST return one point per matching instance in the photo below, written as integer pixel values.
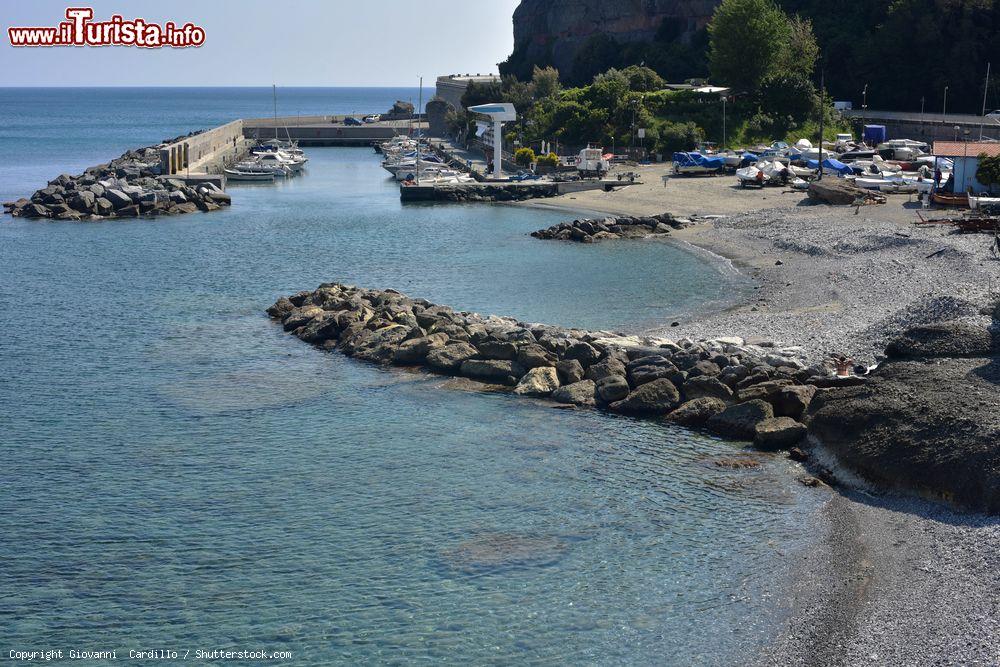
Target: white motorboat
(256, 176)
(257, 167)
(763, 173)
(904, 149)
(280, 158)
(427, 172)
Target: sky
(260, 42)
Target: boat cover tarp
(829, 164)
(875, 135)
(748, 159)
(699, 160)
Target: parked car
(994, 114)
(351, 120)
(373, 118)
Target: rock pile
(127, 187)
(591, 230)
(485, 192)
(741, 391)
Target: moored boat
(256, 176)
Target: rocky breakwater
(603, 229)
(126, 187)
(928, 420)
(741, 391)
(494, 192)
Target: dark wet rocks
(926, 421)
(591, 230)
(726, 385)
(485, 192)
(127, 187)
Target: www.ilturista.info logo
(79, 30)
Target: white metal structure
(499, 113)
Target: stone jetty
(736, 388)
(603, 229)
(126, 187)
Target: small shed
(966, 154)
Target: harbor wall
(204, 151)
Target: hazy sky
(259, 42)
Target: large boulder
(606, 368)
(763, 391)
(448, 359)
(704, 386)
(539, 381)
(493, 371)
(117, 198)
(381, 346)
(578, 393)
(779, 433)
(570, 371)
(944, 339)
(930, 429)
(696, 412)
(612, 388)
(415, 350)
(740, 421)
(582, 352)
(793, 401)
(653, 398)
(319, 329)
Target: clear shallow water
(178, 473)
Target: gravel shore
(896, 581)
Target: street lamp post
(864, 107)
(944, 105)
(724, 121)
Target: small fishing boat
(255, 176)
(944, 198)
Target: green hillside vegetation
(905, 51)
(778, 100)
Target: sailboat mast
(986, 88)
(420, 103)
(274, 95)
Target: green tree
(482, 93)
(643, 79)
(544, 82)
(988, 172)
(524, 156)
(746, 38)
(550, 160)
(675, 137)
(803, 51)
(790, 96)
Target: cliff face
(555, 31)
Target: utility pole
(985, 88)
(944, 105)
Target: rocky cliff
(557, 31)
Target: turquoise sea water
(179, 474)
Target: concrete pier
(205, 152)
(328, 130)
